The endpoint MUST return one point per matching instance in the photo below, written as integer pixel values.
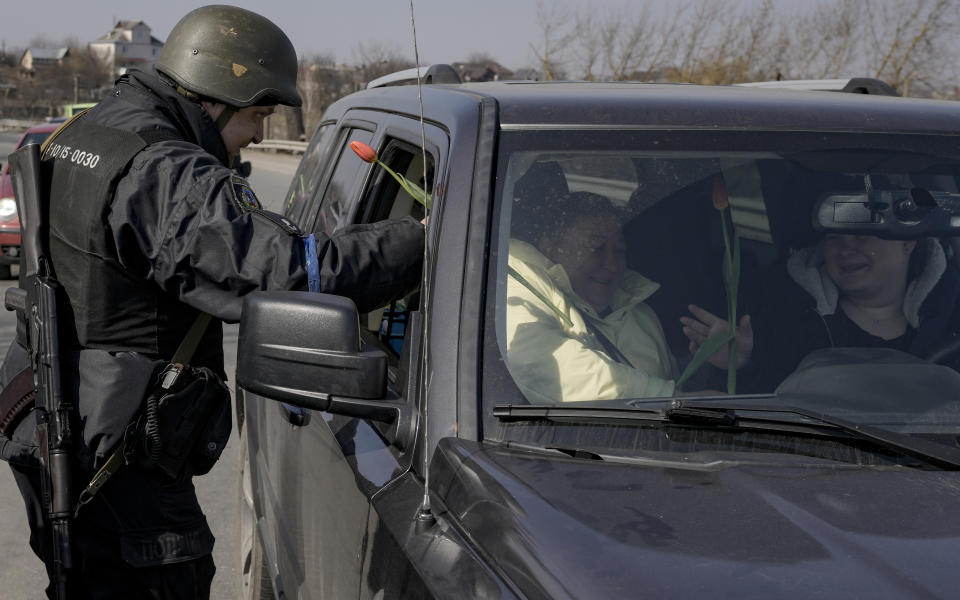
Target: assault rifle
(37, 304)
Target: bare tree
(630, 40)
(79, 76)
(556, 34)
(375, 59)
(589, 41)
(823, 43)
(480, 57)
(697, 38)
(42, 41)
(731, 46)
(626, 43)
(322, 81)
(908, 41)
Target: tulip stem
(411, 188)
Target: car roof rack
(439, 73)
(853, 85)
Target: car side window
(305, 182)
(385, 198)
(336, 202)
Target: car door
(318, 470)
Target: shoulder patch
(243, 195)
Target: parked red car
(9, 221)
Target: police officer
(149, 227)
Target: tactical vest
(108, 307)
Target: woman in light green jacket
(577, 325)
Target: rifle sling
(181, 357)
(16, 400)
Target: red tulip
(365, 152)
(721, 199)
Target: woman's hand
(704, 324)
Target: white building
(129, 44)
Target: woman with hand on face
(847, 291)
(576, 322)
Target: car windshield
(620, 255)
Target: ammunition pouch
(184, 423)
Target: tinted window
(386, 199)
(336, 202)
(303, 188)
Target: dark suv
(538, 421)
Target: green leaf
(732, 299)
(735, 271)
(710, 347)
(411, 188)
(732, 367)
(523, 281)
(732, 380)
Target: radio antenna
(425, 514)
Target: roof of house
(47, 53)
(116, 34)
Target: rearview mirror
(900, 213)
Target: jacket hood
(706, 527)
(142, 101)
(806, 267)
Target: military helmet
(231, 55)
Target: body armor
(109, 307)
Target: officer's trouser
(142, 536)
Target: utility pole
(76, 88)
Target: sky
(447, 30)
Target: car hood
(560, 527)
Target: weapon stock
(39, 302)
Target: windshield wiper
(728, 415)
(700, 413)
(531, 412)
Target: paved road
(22, 575)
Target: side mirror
(304, 349)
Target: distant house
(128, 44)
(483, 71)
(38, 58)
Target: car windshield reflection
(623, 256)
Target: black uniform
(168, 232)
